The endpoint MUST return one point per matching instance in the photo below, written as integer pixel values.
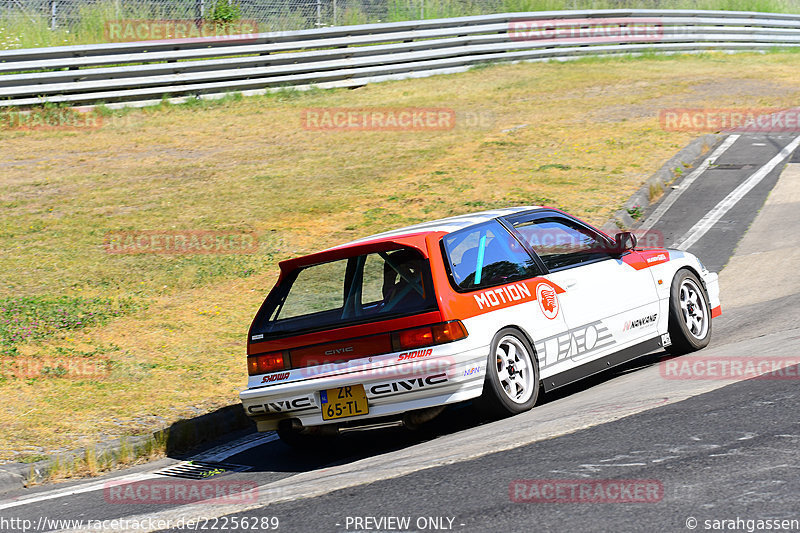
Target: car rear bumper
(450, 373)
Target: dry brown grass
(591, 138)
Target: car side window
(487, 255)
(561, 242)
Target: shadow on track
(277, 457)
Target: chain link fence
(270, 14)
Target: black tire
(689, 314)
(513, 395)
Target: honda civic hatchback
(493, 307)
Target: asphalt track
(718, 449)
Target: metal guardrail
(143, 73)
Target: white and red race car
(493, 306)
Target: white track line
(220, 453)
(79, 489)
(217, 454)
(719, 210)
(688, 180)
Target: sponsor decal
(548, 300)
(282, 406)
(648, 320)
(586, 491)
(502, 295)
(275, 377)
(575, 342)
(406, 385)
(416, 354)
(666, 340)
(641, 259)
(473, 370)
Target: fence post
(319, 13)
(200, 10)
(334, 12)
(53, 12)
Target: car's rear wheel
(689, 314)
(512, 376)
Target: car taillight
(448, 332)
(265, 362)
(429, 335)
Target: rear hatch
(347, 304)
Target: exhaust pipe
(294, 426)
(415, 419)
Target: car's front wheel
(689, 314)
(512, 376)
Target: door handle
(570, 282)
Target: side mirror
(624, 241)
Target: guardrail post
(53, 13)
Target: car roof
(443, 225)
(408, 234)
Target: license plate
(343, 402)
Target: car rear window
(358, 289)
(487, 255)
